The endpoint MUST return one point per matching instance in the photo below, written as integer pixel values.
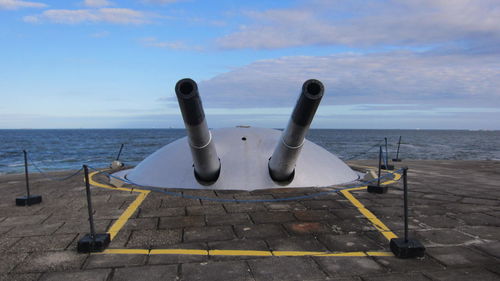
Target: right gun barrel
(287, 151)
(206, 162)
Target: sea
(67, 149)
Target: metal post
(119, 152)
(379, 165)
(386, 155)
(89, 202)
(26, 174)
(405, 186)
(397, 152)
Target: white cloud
(108, 15)
(18, 4)
(173, 45)
(161, 2)
(371, 23)
(395, 77)
(97, 3)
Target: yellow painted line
(380, 254)
(127, 251)
(178, 252)
(378, 224)
(125, 216)
(238, 253)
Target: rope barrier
(44, 174)
(225, 200)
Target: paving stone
(114, 260)
(205, 210)
(96, 274)
(250, 245)
(208, 233)
(458, 256)
(34, 230)
(397, 277)
(140, 224)
(174, 202)
(180, 222)
(314, 215)
(82, 226)
(442, 237)
(478, 201)
(348, 243)
(7, 242)
(285, 268)
(280, 206)
(228, 219)
(479, 219)
(244, 207)
(120, 241)
(305, 228)
(207, 271)
(147, 239)
(56, 242)
(20, 277)
(322, 204)
(9, 261)
(490, 248)
(177, 258)
(271, 217)
(409, 265)
(341, 266)
(250, 231)
(439, 221)
(298, 243)
(162, 212)
(51, 261)
(483, 232)
(24, 220)
(158, 272)
(463, 275)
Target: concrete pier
(455, 213)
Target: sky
(427, 64)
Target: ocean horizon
(68, 149)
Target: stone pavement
(455, 213)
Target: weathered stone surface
(162, 212)
(51, 261)
(409, 265)
(397, 277)
(205, 210)
(299, 243)
(147, 239)
(459, 256)
(285, 268)
(349, 243)
(179, 222)
(114, 260)
(158, 272)
(56, 242)
(9, 261)
(20, 277)
(95, 274)
(272, 217)
(213, 271)
(341, 266)
(176, 258)
(208, 233)
(250, 231)
(228, 219)
(463, 275)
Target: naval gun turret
(282, 163)
(206, 163)
(242, 158)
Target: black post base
(404, 249)
(387, 167)
(380, 189)
(28, 200)
(397, 160)
(99, 244)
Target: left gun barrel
(206, 162)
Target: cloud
(473, 24)
(172, 45)
(160, 2)
(399, 77)
(97, 3)
(108, 15)
(18, 4)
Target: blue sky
(386, 64)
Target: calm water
(69, 149)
